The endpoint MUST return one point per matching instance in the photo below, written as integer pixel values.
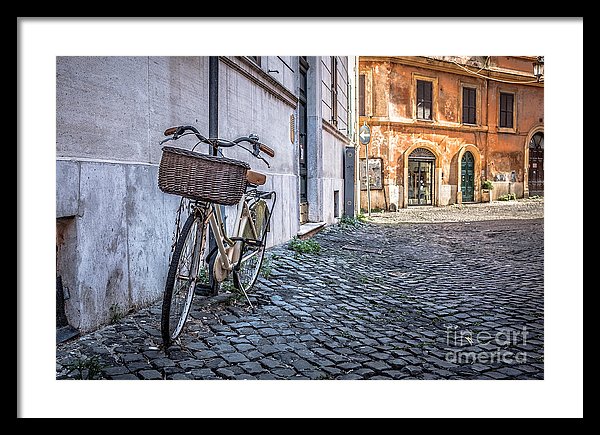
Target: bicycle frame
(187, 262)
(229, 256)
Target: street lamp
(538, 68)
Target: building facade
(114, 226)
(442, 125)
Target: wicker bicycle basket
(201, 177)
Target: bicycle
(205, 182)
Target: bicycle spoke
(251, 258)
(182, 278)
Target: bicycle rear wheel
(186, 271)
(246, 273)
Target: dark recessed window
(424, 99)
(255, 59)
(334, 86)
(468, 106)
(507, 102)
(362, 110)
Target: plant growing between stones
(267, 266)
(308, 246)
(352, 222)
(86, 368)
(325, 377)
(507, 197)
(115, 313)
(362, 218)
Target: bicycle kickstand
(248, 299)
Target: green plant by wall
(487, 184)
(308, 246)
(361, 218)
(115, 313)
(507, 197)
(348, 221)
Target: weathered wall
(246, 108)
(118, 254)
(507, 148)
(326, 138)
(111, 112)
(500, 154)
(117, 107)
(333, 174)
(114, 222)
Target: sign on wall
(364, 134)
(375, 174)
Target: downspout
(213, 131)
(213, 99)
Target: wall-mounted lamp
(538, 68)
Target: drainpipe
(213, 124)
(213, 99)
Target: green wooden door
(467, 177)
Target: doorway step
(309, 229)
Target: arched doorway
(536, 164)
(467, 177)
(421, 177)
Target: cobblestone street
(442, 293)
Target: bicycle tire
(174, 316)
(246, 274)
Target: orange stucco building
(442, 125)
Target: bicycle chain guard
(220, 274)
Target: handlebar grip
(265, 149)
(170, 131)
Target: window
(506, 110)
(469, 106)
(255, 59)
(424, 99)
(362, 108)
(365, 95)
(334, 85)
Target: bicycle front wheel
(184, 274)
(251, 259)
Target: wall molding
(420, 124)
(335, 132)
(445, 66)
(248, 69)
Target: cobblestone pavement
(521, 209)
(442, 300)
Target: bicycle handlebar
(177, 132)
(265, 149)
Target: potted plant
(486, 194)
